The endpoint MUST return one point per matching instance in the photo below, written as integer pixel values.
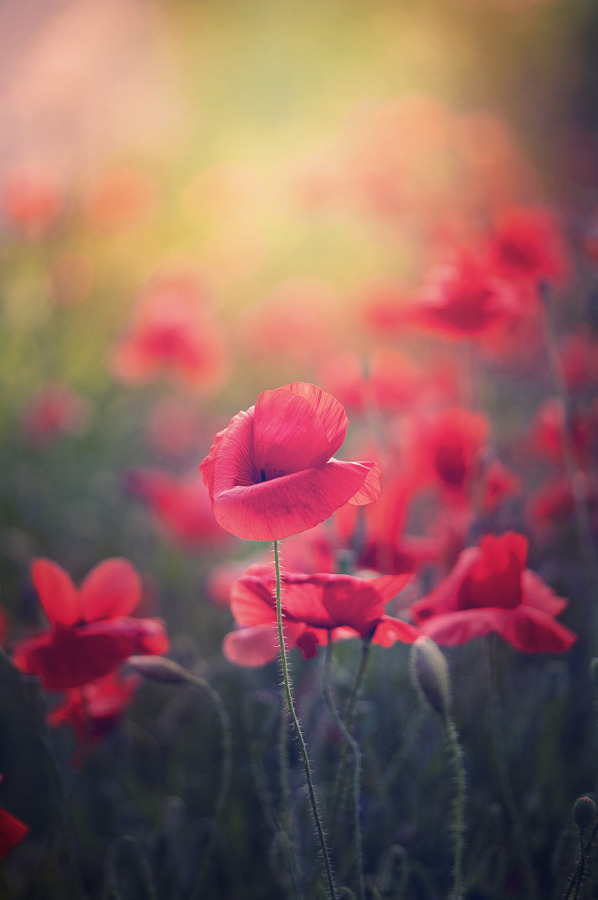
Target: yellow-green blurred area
(286, 153)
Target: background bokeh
(290, 164)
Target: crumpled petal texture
(271, 474)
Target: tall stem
(357, 766)
(501, 766)
(339, 787)
(302, 746)
(459, 824)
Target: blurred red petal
(112, 588)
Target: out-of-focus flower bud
(430, 675)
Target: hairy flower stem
(290, 703)
(350, 741)
(339, 783)
(501, 767)
(456, 754)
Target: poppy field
(299, 450)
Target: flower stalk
(302, 746)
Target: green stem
(459, 823)
(501, 766)
(339, 789)
(350, 740)
(302, 746)
(226, 771)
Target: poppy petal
(287, 435)
(389, 630)
(112, 588)
(230, 462)
(371, 487)
(253, 646)
(452, 628)
(276, 509)
(12, 832)
(72, 658)
(538, 595)
(57, 593)
(533, 631)
(329, 411)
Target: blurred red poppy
(313, 605)
(490, 590)
(527, 245)
(464, 299)
(95, 709)
(173, 333)
(92, 630)
(181, 505)
(271, 474)
(444, 449)
(53, 411)
(556, 431)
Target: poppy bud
(584, 811)
(429, 673)
(158, 668)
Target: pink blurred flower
(527, 245)
(181, 506)
(53, 411)
(173, 333)
(31, 201)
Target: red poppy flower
(444, 449)
(95, 709)
(527, 245)
(313, 605)
(553, 429)
(181, 505)
(490, 590)
(464, 299)
(92, 630)
(12, 832)
(173, 333)
(271, 474)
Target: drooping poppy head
(490, 590)
(91, 629)
(271, 472)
